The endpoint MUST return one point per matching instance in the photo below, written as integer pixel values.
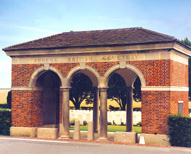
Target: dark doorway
(50, 84)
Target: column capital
(65, 89)
(102, 89)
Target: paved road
(26, 146)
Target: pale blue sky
(25, 20)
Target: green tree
(9, 99)
(137, 90)
(117, 90)
(186, 41)
(81, 89)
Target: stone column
(96, 110)
(103, 114)
(64, 132)
(129, 115)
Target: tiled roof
(124, 36)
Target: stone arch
(126, 67)
(129, 73)
(87, 70)
(42, 70)
(95, 78)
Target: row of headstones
(116, 117)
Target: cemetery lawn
(113, 128)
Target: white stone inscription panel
(76, 59)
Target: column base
(102, 139)
(23, 131)
(64, 137)
(129, 131)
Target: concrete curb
(86, 141)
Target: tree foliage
(179, 130)
(117, 90)
(137, 90)
(9, 99)
(186, 41)
(5, 121)
(81, 89)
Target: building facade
(42, 71)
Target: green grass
(112, 128)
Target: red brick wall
(176, 96)
(157, 106)
(179, 78)
(21, 74)
(102, 67)
(155, 110)
(178, 74)
(153, 76)
(65, 68)
(156, 72)
(26, 108)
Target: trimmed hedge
(5, 121)
(85, 123)
(179, 130)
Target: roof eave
(184, 49)
(85, 46)
(95, 49)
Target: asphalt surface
(36, 146)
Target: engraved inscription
(81, 59)
(96, 58)
(134, 57)
(45, 60)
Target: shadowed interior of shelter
(123, 89)
(50, 84)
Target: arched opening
(125, 93)
(84, 98)
(50, 84)
(81, 91)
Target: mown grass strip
(112, 128)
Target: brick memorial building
(42, 71)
